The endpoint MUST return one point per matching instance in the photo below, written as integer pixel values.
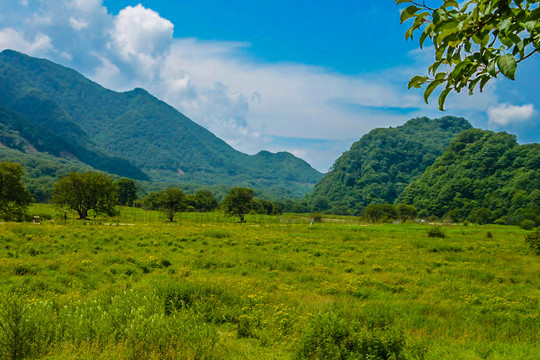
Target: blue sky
(308, 77)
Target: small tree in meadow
(172, 201)
(14, 198)
(127, 191)
(533, 239)
(238, 202)
(86, 191)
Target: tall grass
(138, 289)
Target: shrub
(436, 231)
(20, 335)
(217, 233)
(333, 335)
(533, 239)
(489, 235)
(527, 224)
(317, 217)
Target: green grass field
(136, 287)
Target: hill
(482, 176)
(133, 133)
(382, 163)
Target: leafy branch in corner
(474, 42)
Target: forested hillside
(130, 134)
(483, 176)
(382, 163)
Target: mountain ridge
(382, 163)
(136, 127)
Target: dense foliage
(14, 197)
(382, 163)
(238, 202)
(127, 191)
(171, 201)
(202, 201)
(133, 134)
(86, 191)
(473, 40)
(483, 177)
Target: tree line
(98, 192)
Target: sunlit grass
(136, 286)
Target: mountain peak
(138, 128)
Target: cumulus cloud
(78, 24)
(138, 30)
(12, 39)
(506, 114)
(251, 104)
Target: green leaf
(430, 88)
(423, 38)
(451, 24)
(442, 98)
(508, 66)
(505, 24)
(417, 81)
(484, 81)
(506, 41)
(401, 1)
(472, 85)
(458, 70)
(440, 76)
(449, 3)
(530, 25)
(408, 13)
(491, 68)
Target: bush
(334, 335)
(533, 240)
(489, 235)
(527, 224)
(317, 217)
(436, 231)
(20, 335)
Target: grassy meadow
(136, 287)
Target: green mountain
(382, 163)
(130, 134)
(482, 176)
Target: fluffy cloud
(141, 33)
(12, 39)
(505, 114)
(308, 110)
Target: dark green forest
(483, 177)
(382, 163)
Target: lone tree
(380, 212)
(205, 201)
(84, 191)
(474, 41)
(14, 197)
(171, 201)
(127, 191)
(238, 202)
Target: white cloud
(248, 103)
(505, 114)
(141, 32)
(87, 6)
(12, 39)
(78, 24)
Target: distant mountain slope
(480, 170)
(41, 170)
(383, 162)
(149, 135)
